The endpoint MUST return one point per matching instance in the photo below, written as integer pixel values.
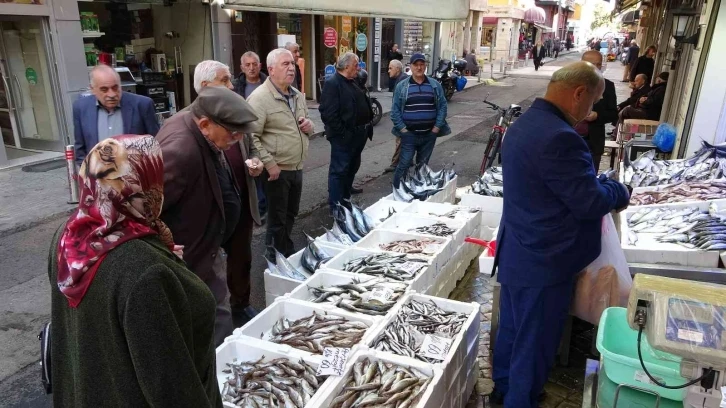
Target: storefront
(32, 122)
(500, 32)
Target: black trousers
(283, 205)
(345, 158)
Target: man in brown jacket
(282, 143)
(202, 202)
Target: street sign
(361, 42)
(329, 71)
(330, 37)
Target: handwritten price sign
(381, 295)
(436, 347)
(333, 363)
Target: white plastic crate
(381, 209)
(252, 350)
(406, 222)
(486, 203)
(261, 326)
(277, 285)
(379, 236)
(472, 219)
(430, 399)
(450, 189)
(421, 282)
(324, 240)
(462, 343)
(445, 282)
(270, 298)
(329, 278)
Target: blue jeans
(261, 199)
(531, 321)
(344, 164)
(419, 145)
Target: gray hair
(345, 60)
(275, 54)
(578, 74)
(249, 54)
(99, 68)
(396, 63)
(289, 45)
(206, 71)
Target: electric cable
(663, 385)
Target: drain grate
(43, 167)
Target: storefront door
(28, 117)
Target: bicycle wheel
(489, 151)
(377, 111)
(495, 150)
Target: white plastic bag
(606, 281)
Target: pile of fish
(709, 163)
(356, 296)
(423, 183)
(354, 223)
(313, 256)
(396, 267)
(380, 384)
(453, 213)
(682, 192)
(391, 211)
(317, 331)
(279, 383)
(411, 246)
(689, 227)
(405, 335)
(283, 267)
(491, 183)
(438, 229)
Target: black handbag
(45, 364)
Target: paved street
(24, 285)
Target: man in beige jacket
(282, 145)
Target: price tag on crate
(411, 267)
(381, 295)
(345, 239)
(435, 347)
(431, 249)
(333, 363)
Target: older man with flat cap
(202, 204)
(550, 230)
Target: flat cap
(225, 108)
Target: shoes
(389, 169)
(244, 313)
(497, 398)
(356, 190)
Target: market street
(26, 304)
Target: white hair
(99, 68)
(289, 45)
(345, 60)
(396, 63)
(206, 71)
(274, 54)
(250, 54)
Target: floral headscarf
(122, 186)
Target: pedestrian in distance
(633, 53)
(649, 106)
(645, 64)
(418, 115)
(592, 128)
(131, 325)
(557, 47)
(346, 113)
(538, 54)
(295, 51)
(281, 140)
(640, 88)
(395, 54)
(109, 112)
(396, 75)
(204, 221)
(472, 65)
(550, 230)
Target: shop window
(343, 34)
(290, 24)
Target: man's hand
(254, 166)
(643, 99)
(274, 172)
(306, 125)
(435, 130)
(591, 117)
(404, 130)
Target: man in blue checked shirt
(418, 115)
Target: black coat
(239, 87)
(395, 55)
(633, 52)
(654, 104)
(643, 65)
(338, 108)
(538, 55)
(607, 112)
(634, 97)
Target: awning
(535, 15)
(630, 17)
(424, 10)
(544, 28)
(489, 20)
(621, 5)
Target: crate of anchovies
(384, 209)
(355, 293)
(415, 270)
(428, 225)
(471, 216)
(441, 332)
(437, 250)
(306, 327)
(372, 378)
(284, 277)
(250, 374)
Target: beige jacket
(281, 142)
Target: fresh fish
(397, 267)
(345, 221)
(709, 163)
(284, 266)
(689, 227)
(491, 183)
(355, 296)
(632, 238)
(391, 211)
(401, 388)
(438, 229)
(315, 332)
(274, 383)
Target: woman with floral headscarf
(124, 332)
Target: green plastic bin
(618, 347)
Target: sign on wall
(361, 42)
(330, 37)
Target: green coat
(142, 336)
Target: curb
(33, 223)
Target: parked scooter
(375, 105)
(448, 73)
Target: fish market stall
(709, 163)
(681, 192)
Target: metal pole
(492, 70)
(72, 174)
(501, 65)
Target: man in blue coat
(550, 229)
(109, 112)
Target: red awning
(534, 15)
(489, 20)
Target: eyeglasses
(233, 133)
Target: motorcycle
(376, 107)
(448, 74)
